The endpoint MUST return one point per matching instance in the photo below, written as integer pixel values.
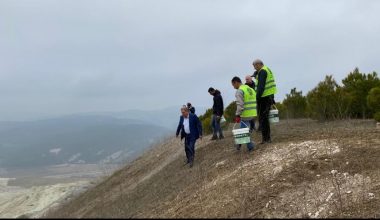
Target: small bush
(373, 99)
(206, 124)
(377, 116)
(230, 111)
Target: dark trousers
(215, 123)
(264, 104)
(190, 148)
(252, 125)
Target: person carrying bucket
(266, 88)
(245, 107)
(191, 129)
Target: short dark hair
(211, 89)
(236, 79)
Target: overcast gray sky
(68, 56)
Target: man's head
(185, 111)
(248, 79)
(236, 82)
(258, 64)
(211, 91)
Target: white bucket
(222, 120)
(241, 135)
(273, 116)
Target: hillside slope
(310, 170)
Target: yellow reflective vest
(270, 84)
(250, 109)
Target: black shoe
(238, 147)
(214, 138)
(262, 142)
(191, 164)
(221, 137)
(269, 141)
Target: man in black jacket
(191, 108)
(217, 113)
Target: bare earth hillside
(311, 169)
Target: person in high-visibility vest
(245, 106)
(266, 88)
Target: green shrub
(206, 125)
(295, 104)
(282, 111)
(373, 99)
(230, 111)
(377, 116)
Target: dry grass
(310, 170)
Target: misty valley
(49, 160)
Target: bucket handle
(233, 128)
(274, 106)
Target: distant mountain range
(167, 117)
(97, 137)
(74, 139)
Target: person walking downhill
(249, 82)
(217, 113)
(266, 88)
(245, 106)
(190, 128)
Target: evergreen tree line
(357, 97)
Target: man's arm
(222, 109)
(179, 126)
(239, 102)
(219, 105)
(261, 83)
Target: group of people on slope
(253, 99)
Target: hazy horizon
(68, 57)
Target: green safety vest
(250, 109)
(270, 84)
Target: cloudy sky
(69, 56)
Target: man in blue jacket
(191, 129)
